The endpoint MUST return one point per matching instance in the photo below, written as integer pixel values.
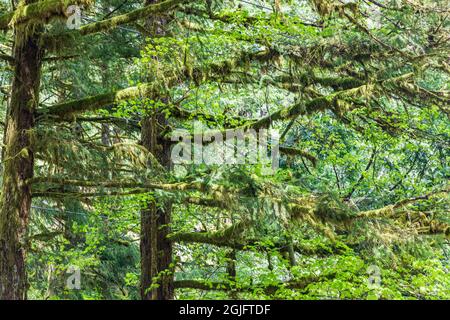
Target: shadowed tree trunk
(18, 162)
(156, 249)
(231, 270)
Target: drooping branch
(319, 104)
(336, 102)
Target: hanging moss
(324, 7)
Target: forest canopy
(225, 149)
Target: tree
(16, 193)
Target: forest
(225, 149)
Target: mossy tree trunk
(18, 162)
(156, 249)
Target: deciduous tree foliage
(358, 208)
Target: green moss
(39, 11)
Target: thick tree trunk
(156, 249)
(18, 163)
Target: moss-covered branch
(130, 17)
(66, 110)
(61, 194)
(246, 19)
(111, 23)
(227, 121)
(181, 186)
(338, 102)
(298, 284)
(231, 238)
(206, 202)
(390, 210)
(38, 11)
(228, 237)
(421, 222)
(217, 191)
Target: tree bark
(18, 162)
(156, 248)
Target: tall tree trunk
(156, 249)
(18, 162)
